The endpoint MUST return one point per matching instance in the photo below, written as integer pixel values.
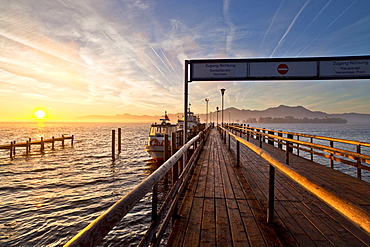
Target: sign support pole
(186, 92)
(186, 103)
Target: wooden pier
(27, 145)
(226, 204)
(227, 191)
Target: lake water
(46, 199)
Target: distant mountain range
(236, 115)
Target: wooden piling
(52, 143)
(11, 150)
(42, 145)
(113, 144)
(119, 140)
(27, 147)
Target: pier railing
(292, 144)
(354, 213)
(180, 165)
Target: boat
(194, 125)
(155, 144)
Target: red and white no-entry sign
(282, 69)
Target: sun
(40, 114)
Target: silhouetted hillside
(232, 114)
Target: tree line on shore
(290, 119)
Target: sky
(73, 58)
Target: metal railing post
(229, 142)
(331, 155)
(271, 195)
(280, 144)
(358, 162)
(155, 202)
(290, 136)
(311, 149)
(165, 147)
(270, 141)
(237, 153)
(260, 137)
(287, 153)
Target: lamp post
(222, 97)
(229, 118)
(206, 110)
(217, 115)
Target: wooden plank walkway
(226, 205)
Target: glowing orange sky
(105, 58)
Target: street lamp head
(207, 99)
(223, 91)
(217, 108)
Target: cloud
(128, 55)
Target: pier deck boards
(226, 205)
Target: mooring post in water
(42, 145)
(62, 141)
(119, 140)
(113, 144)
(29, 146)
(11, 150)
(14, 148)
(72, 140)
(52, 143)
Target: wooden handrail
(357, 215)
(99, 228)
(335, 151)
(305, 135)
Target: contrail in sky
(159, 57)
(272, 22)
(173, 69)
(313, 20)
(290, 27)
(230, 34)
(327, 27)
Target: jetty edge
(28, 144)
